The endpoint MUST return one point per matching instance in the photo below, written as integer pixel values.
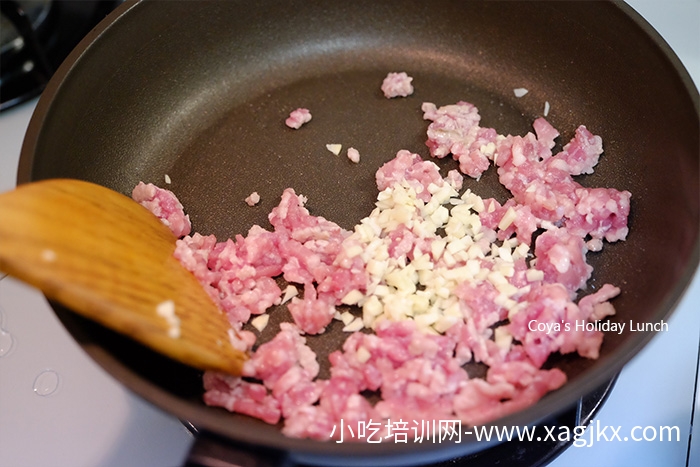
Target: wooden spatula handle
(104, 256)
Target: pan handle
(210, 450)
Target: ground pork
(297, 118)
(454, 129)
(165, 205)
(440, 278)
(397, 85)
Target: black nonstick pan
(199, 91)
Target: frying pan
(200, 90)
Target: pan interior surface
(199, 91)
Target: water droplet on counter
(6, 339)
(6, 342)
(46, 383)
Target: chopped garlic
(166, 310)
(352, 298)
(354, 326)
(346, 317)
(547, 225)
(437, 247)
(507, 218)
(533, 275)
(506, 254)
(334, 148)
(354, 155)
(507, 289)
(353, 251)
(426, 320)
(521, 251)
(520, 92)
(449, 259)
(488, 149)
(363, 355)
(502, 337)
(422, 262)
(167, 179)
(48, 255)
(371, 309)
(260, 322)
(420, 303)
(496, 278)
(382, 291)
(440, 216)
(457, 245)
(516, 309)
(289, 293)
(505, 268)
(444, 323)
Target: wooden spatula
(104, 256)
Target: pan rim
(146, 389)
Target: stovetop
(59, 408)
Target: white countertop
(58, 408)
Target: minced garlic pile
(423, 289)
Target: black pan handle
(210, 450)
